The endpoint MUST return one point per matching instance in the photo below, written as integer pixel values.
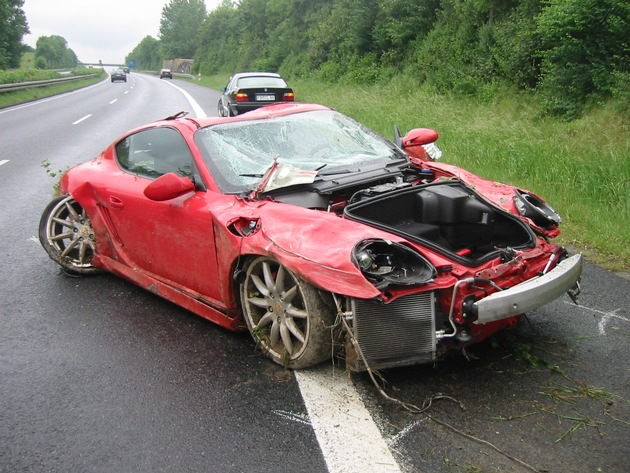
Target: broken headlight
(386, 263)
(537, 210)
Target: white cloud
(105, 30)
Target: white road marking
(292, 416)
(81, 119)
(403, 433)
(113, 101)
(3, 161)
(347, 434)
(199, 113)
(606, 316)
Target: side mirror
(420, 143)
(169, 186)
(420, 136)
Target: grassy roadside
(581, 167)
(28, 95)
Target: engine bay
(447, 217)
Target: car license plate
(266, 97)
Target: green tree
(516, 45)
(454, 56)
(54, 50)
(585, 52)
(398, 24)
(218, 41)
(288, 34)
(147, 54)
(13, 26)
(179, 27)
(569, 52)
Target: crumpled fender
(313, 244)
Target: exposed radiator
(396, 334)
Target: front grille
(396, 334)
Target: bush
(584, 52)
(26, 75)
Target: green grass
(213, 82)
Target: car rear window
(261, 81)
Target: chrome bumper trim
(530, 294)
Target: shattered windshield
(325, 141)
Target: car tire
(220, 109)
(66, 234)
(287, 317)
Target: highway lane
(98, 375)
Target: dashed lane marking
(81, 119)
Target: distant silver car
(166, 73)
(119, 74)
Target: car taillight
(241, 97)
(288, 97)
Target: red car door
(174, 239)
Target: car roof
(238, 75)
(268, 111)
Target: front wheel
(66, 234)
(286, 316)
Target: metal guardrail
(181, 74)
(40, 83)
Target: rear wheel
(286, 316)
(67, 236)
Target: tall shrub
(585, 52)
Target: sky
(97, 30)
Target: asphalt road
(97, 375)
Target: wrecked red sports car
(315, 233)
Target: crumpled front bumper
(530, 294)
